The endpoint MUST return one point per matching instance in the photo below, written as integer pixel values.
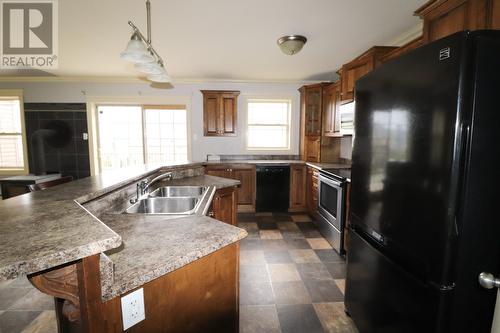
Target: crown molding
(407, 36)
(120, 79)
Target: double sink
(170, 200)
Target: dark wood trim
(89, 282)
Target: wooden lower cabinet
(297, 188)
(202, 296)
(246, 174)
(313, 148)
(312, 191)
(245, 194)
(224, 206)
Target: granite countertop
(318, 166)
(154, 245)
(46, 229)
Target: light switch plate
(133, 308)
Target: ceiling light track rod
(148, 19)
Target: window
(13, 157)
(268, 124)
(131, 135)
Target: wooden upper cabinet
(359, 67)
(445, 17)
(495, 15)
(219, 112)
(313, 109)
(331, 118)
(413, 44)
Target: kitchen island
(74, 243)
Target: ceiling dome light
(291, 44)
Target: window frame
(17, 93)
(93, 120)
(264, 99)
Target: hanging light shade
(291, 44)
(163, 77)
(141, 52)
(135, 51)
(149, 68)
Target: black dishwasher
(273, 188)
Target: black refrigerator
(425, 189)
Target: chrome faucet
(144, 185)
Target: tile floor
(24, 309)
(290, 281)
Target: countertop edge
(56, 259)
(111, 291)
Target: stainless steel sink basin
(165, 206)
(178, 191)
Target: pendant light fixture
(291, 44)
(140, 52)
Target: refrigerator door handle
(488, 281)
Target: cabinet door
(313, 110)
(219, 112)
(312, 191)
(336, 111)
(211, 114)
(228, 111)
(313, 147)
(246, 192)
(331, 118)
(328, 110)
(297, 188)
(224, 206)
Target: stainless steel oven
(331, 206)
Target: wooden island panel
(202, 296)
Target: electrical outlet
(133, 308)
(85, 136)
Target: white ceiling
(228, 39)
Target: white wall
(76, 92)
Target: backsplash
(259, 157)
(69, 155)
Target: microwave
(346, 114)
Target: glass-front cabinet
(313, 97)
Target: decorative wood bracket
(61, 283)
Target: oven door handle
(329, 181)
